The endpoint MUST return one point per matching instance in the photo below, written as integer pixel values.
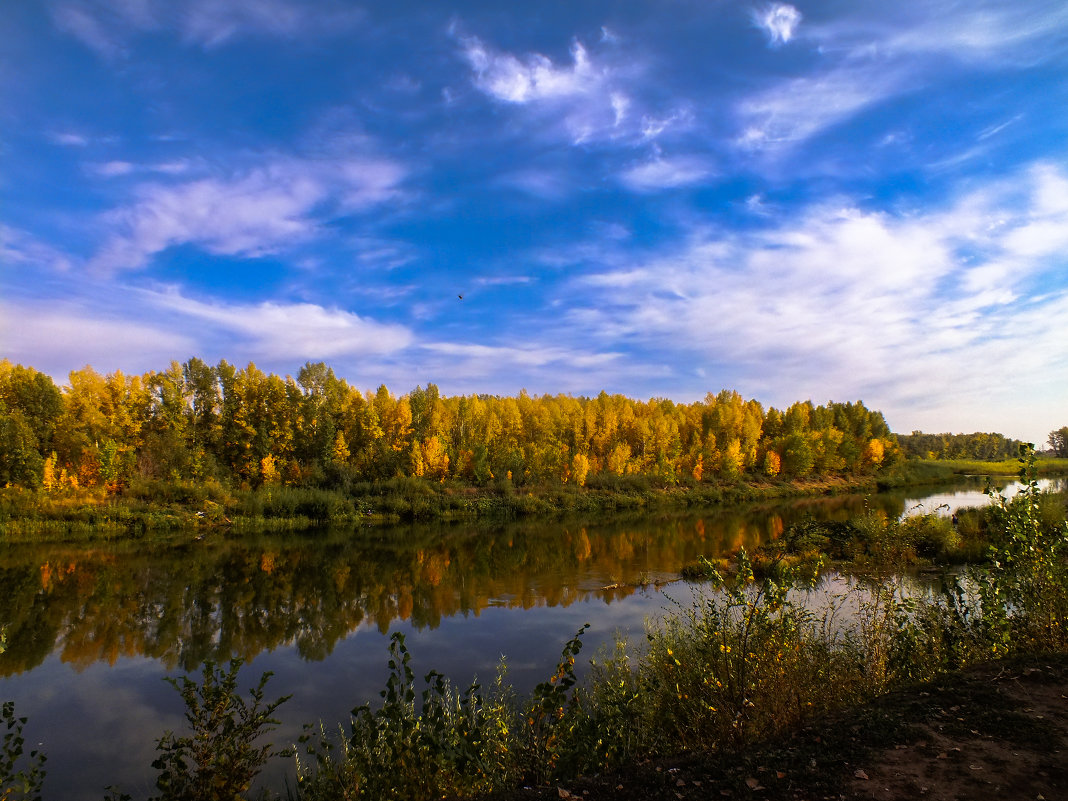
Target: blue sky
(832, 200)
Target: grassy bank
(156, 508)
(934, 470)
(160, 508)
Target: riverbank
(162, 508)
(998, 730)
(155, 508)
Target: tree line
(193, 421)
(980, 445)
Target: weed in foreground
(220, 758)
(450, 744)
(18, 781)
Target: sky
(830, 200)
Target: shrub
(221, 757)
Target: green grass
(1044, 466)
(159, 508)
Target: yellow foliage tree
(730, 461)
(580, 468)
(340, 451)
(49, 475)
(269, 469)
(618, 458)
(435, 461)
(874, 453)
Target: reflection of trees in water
(183, 604)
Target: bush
(221, 757)
(451, 745)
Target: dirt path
(996, 732)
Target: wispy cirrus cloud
(982, 31)
(778, 21)
(108, 27)
(21, 249)
(264, 210)
(119, 168)
(69, 138)
(799, 108)
(869, 58)
(665, 173)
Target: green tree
(1058, 441)
(20, 458)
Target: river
(93, 630)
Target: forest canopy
(197, 422)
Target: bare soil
(995, 732)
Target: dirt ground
(996, 732)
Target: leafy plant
(447, 743)
(1024, 595)
(221, 757)
(18, 783)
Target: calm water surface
(93, 631)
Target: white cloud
(263, 211)
(778, 21)
(504, 280)
(114, 169)
(138, 330)
(69, 139)
(867, 59)
(289, 330)
(586, 97)
(679, 120)
(251, 216)
(958, 311)
(665, 173)
(57, 337)
(505, 77)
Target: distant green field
(1045, 466)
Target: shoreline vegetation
(158, 507)
(739, 677)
